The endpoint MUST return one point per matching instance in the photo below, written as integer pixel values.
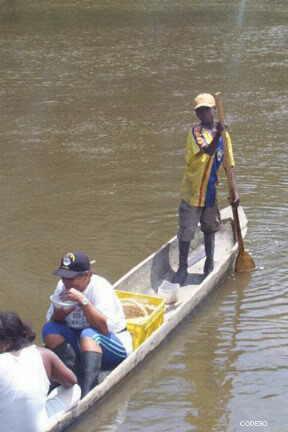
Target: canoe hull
(146, 277)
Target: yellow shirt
(200, 174)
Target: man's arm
(229, 164)
(210, 148)
(58, 314)
(94, 316)
(61, 314)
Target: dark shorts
(112, 348)
(189, 218)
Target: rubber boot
(67, 354)
(182, 273)
(209, 242)
(90, 369)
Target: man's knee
(210, 227)
(89, 340)
(189, 218)
(87, 333)
(210, 220)
(186, 234)
(51, 334)
(52, 341)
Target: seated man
(93, 329)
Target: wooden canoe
(146, 278)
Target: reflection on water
(95, 105)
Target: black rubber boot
(90, 369)
(67, 354)
(182, 273)
(209, 242)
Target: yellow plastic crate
(142, 327)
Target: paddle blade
(244, 262)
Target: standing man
(93, 329)
(204, 156)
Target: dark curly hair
(14, 333)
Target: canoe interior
(148, 275)
(146, 278)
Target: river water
(96, 99)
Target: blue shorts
(112, 348)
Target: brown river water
(96, 99)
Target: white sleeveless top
(24, 387)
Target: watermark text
(253, 423)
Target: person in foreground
(25, 374)
(204, 156)
(90, 334)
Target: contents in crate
(134, 309)
(144, 314)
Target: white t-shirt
(24, 386)
(101, 294)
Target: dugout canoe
(146, 278)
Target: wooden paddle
(244, 262)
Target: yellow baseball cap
(204, 100)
